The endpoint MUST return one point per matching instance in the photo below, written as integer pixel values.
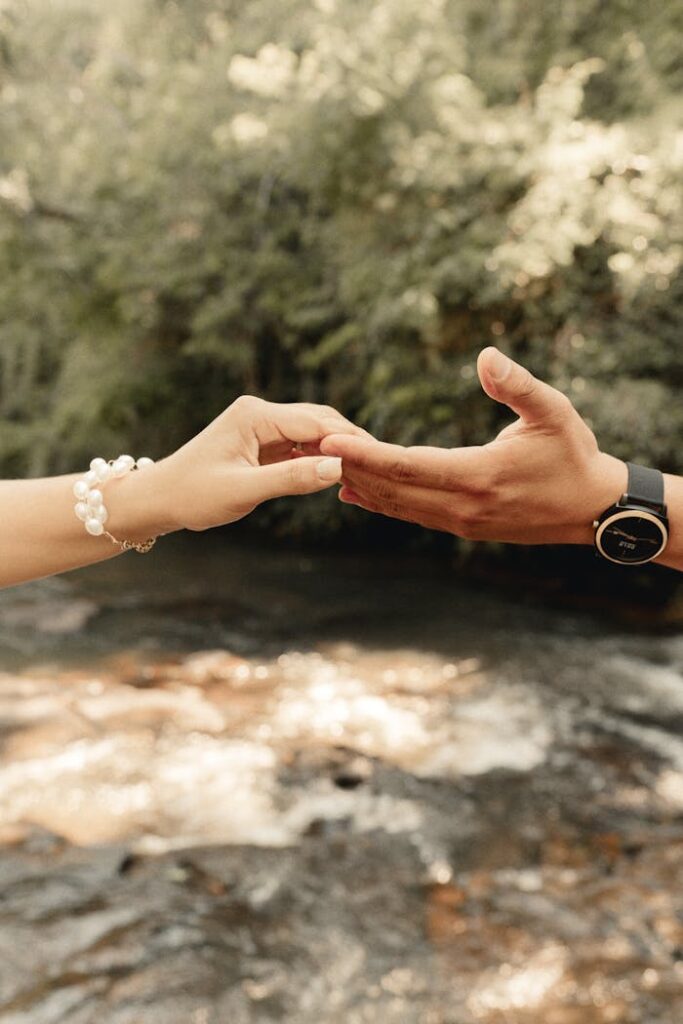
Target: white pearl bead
(81, 490)
(91, 478)
(103, 472)
(144, 461)
(99, 513)
(97, 464)
(82, 511)
(94, 526)
(95, 498)
(119, 468)
(128, 459)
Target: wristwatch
(635, 530)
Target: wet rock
(46, 606)
(458, 813)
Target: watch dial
(632, 538)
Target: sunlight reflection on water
(99, 760)
(519, 988)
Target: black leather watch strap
(645, 487)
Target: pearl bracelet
(90, 507)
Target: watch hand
(620, 533)
(643, 540)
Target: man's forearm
(673, 552)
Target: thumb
(296, 476)
(508, 382)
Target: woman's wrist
(140, 504)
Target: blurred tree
(339, 202)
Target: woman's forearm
(41, 534)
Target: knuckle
(383, 491)
(563, 400)
(246, 403)
(320, 411)
(297, 473)
(565, 408)
(525, 384)
(471, 524)
(396, 511)
(484, 488)
(403, 470)
(444, 510)
(563, 417)
(489, 485)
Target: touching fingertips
(329, 445)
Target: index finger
(300, 423)
(443, 468)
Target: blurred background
(324, 767)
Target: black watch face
(631, 537)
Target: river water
(244, 787)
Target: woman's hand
(253, 451)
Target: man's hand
(542, 480)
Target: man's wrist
(617, 474)
(672, 555)
(607, 482)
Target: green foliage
(340, 202)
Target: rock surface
(450, 811)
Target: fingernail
(499, 366)
(330, 469)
